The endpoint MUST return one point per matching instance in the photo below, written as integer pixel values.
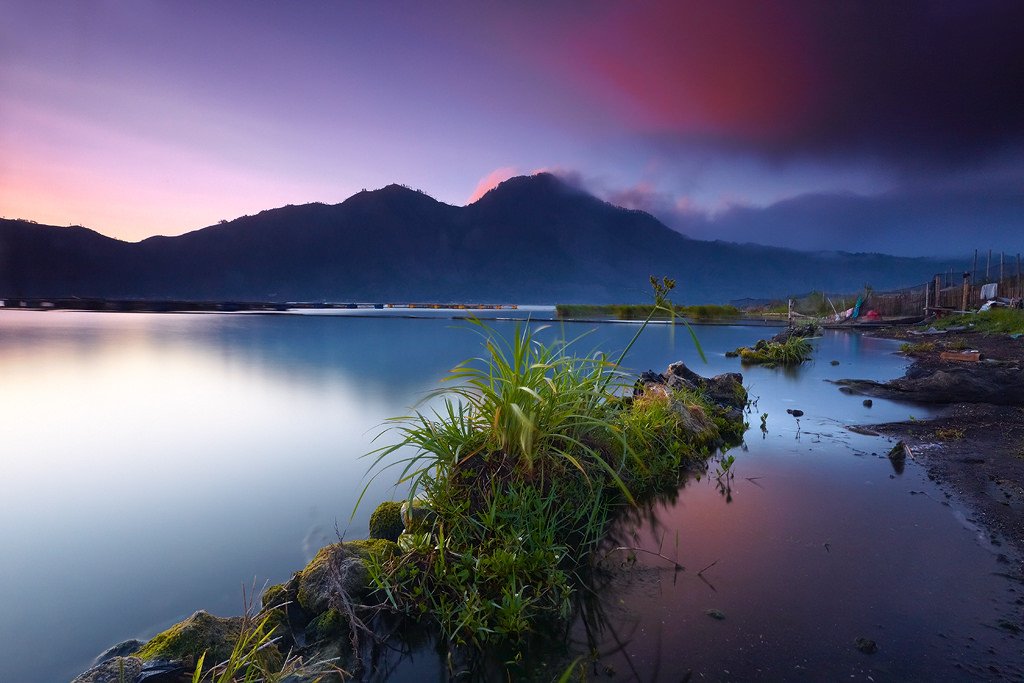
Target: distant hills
(532, 239)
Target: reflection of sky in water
(154, 463)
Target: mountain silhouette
(532, 239)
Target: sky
(894, 127)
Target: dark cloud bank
(932, 222)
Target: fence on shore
(952, 290)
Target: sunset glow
(148, 118)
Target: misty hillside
(533, 239)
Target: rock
(715, 614)
(974, 383)
(386, 521)
(898, 457)
(725, 390)
(868, 403)
(794, 412)
(802, 331)
(835, 362)
(280, 605)
(715, 418)
(417, 517)
(187, 640)
(338, 572)
(326, 626)
(1008, 625)
(122, 649)
(278, 594)
(116, 669)
(866, 645)
(694, 421)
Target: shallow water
(155, 464)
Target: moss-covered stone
(114, 670)
(278, 625)
(386, 521)
(339, 570)
(330, 624)
(698, 429)
(187, 640)
(274, 595)
(418, 517)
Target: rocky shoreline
(974, 448)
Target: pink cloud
(491, 181)
(745, 71)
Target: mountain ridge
(530, 239)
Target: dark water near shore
(153, 464)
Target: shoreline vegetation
(514, 477)
(645, 311)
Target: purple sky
(866, 126)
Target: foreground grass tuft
(523, 465)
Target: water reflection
(155, 463)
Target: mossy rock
(114, 670)
(417, 517)
(274, 596)
(698, 428)
(187, 640)
(340, 569)
(278, 626)
(386, 521)
(331, 624)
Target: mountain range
(532, 239)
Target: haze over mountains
(532, 239)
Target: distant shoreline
(509, 312)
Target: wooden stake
(938, 291)
(967, 287)
(1020, 291)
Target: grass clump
(523, 464)
(919, 347)
(255, 658)
(793, 351)
(949, 433)
(992, 321)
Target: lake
(154, 464)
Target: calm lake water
(152, 465)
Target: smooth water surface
(153, 464)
